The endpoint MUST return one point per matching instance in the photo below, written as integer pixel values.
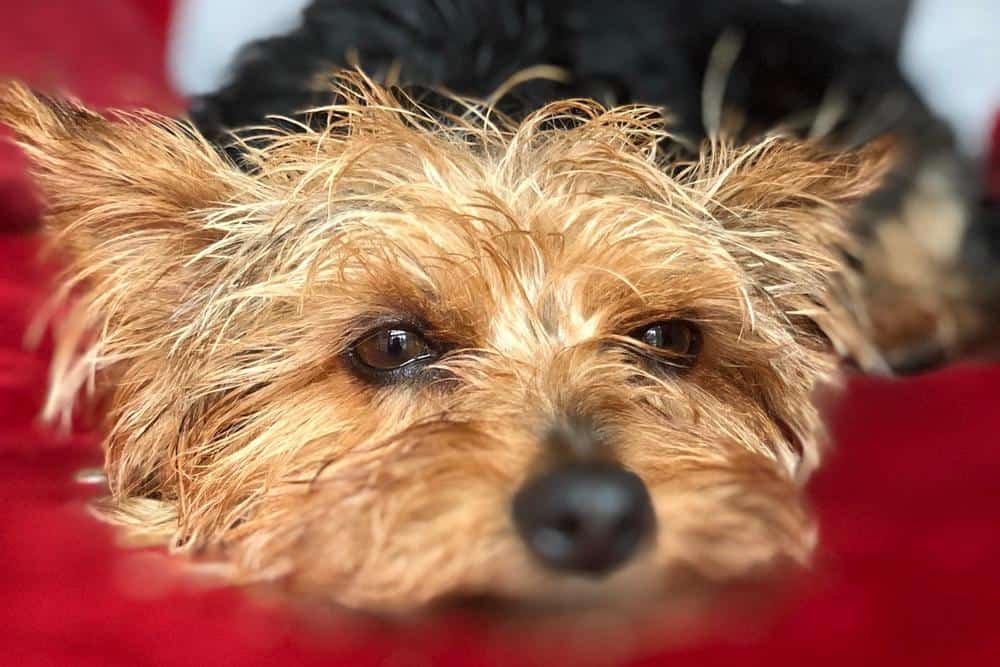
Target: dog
(438, 301)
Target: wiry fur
(218, 304)
(737, 67)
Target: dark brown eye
(391, 349)
(676, 342)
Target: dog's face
(406, 359)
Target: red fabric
(909, 504)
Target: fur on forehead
(162, 226)
(215, 302)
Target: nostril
(584, 517)
(567, 524)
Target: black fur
(648, 51)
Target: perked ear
(113, 185)
(787, 209)
(125, 198)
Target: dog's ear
(126, 199)
(115, 188)
(786, 207)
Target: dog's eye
(677, 342)
(390, 349)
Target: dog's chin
(530, 592)
(585, 620)
(645, 589)
(634, 585)
(635, 589)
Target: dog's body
(411, 346)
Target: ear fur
(112, 187)
(124, 199)
(787, 207)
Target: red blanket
(908, 572)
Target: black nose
(584, 517)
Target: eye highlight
(390, 350)
(675, 343)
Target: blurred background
(907, 572)
(950, 49)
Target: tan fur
(218, 305)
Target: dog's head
(412, 356)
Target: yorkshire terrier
(485, 319)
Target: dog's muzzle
(584, 517)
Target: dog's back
(768, 62)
